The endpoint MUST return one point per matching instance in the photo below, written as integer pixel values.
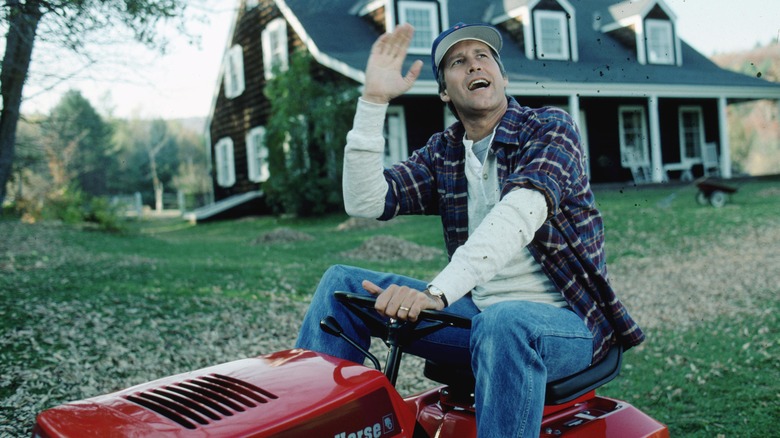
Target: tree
(79, 136)
(158, 139)
(70, 22)
(157, 154)
(309, 119)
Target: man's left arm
(506, 230)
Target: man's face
(474, 81)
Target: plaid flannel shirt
(538, 149)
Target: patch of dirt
(735, 273)
(388, 248)
(281, 235)
(354, 224)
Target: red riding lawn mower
(300, 393)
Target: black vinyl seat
(461, 380)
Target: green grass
(718, 377)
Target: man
(522, 231)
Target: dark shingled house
(649, 107)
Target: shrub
(310, 116)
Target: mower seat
(461, 380)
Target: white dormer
(547, 30)
(429, 18)
(651, 27)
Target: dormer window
(551, 32)
(660, 42)
(648, 28)
(545, 29)
(274, 40)
(424, 16)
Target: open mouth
(478, 83)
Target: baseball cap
(461, 32)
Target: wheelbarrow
(713, 192)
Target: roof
(605, 67)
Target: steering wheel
(396, 334)
(363, 307)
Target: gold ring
(403, 308)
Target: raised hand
(384, 78)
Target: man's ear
(444, 96)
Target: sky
(182, 82)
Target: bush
(310, 116)
(73, 206)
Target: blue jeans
(514, 347)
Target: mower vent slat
(203, 399)
(196, 396)
(187, 402)
(206, 389)
(252, 389)
(162, 410)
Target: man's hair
(443, 84)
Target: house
(649, 107)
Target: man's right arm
(364, 184)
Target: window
(551, 32)
(633, 137)
(395, 136)
(226, 170)
(274, 40)
(691, 134)
(234, 72)
(660, 47)
(257, 155)
(424, 16)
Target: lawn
(84, 312)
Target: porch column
(574, 110)
(725, 147)
(655, 139)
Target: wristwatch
(438, 293)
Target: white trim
(725, 146)
(390, 14)
(449, 118)
(404, 7)
(590, 89)
(277, 55)
(234, 80)
(257, 155)
(225, 162)
(656, 156)
(578, 116)
(563, 37)
(367, 8)
(664, 30)
(444, 16)
(221, 74)
(396, 142)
